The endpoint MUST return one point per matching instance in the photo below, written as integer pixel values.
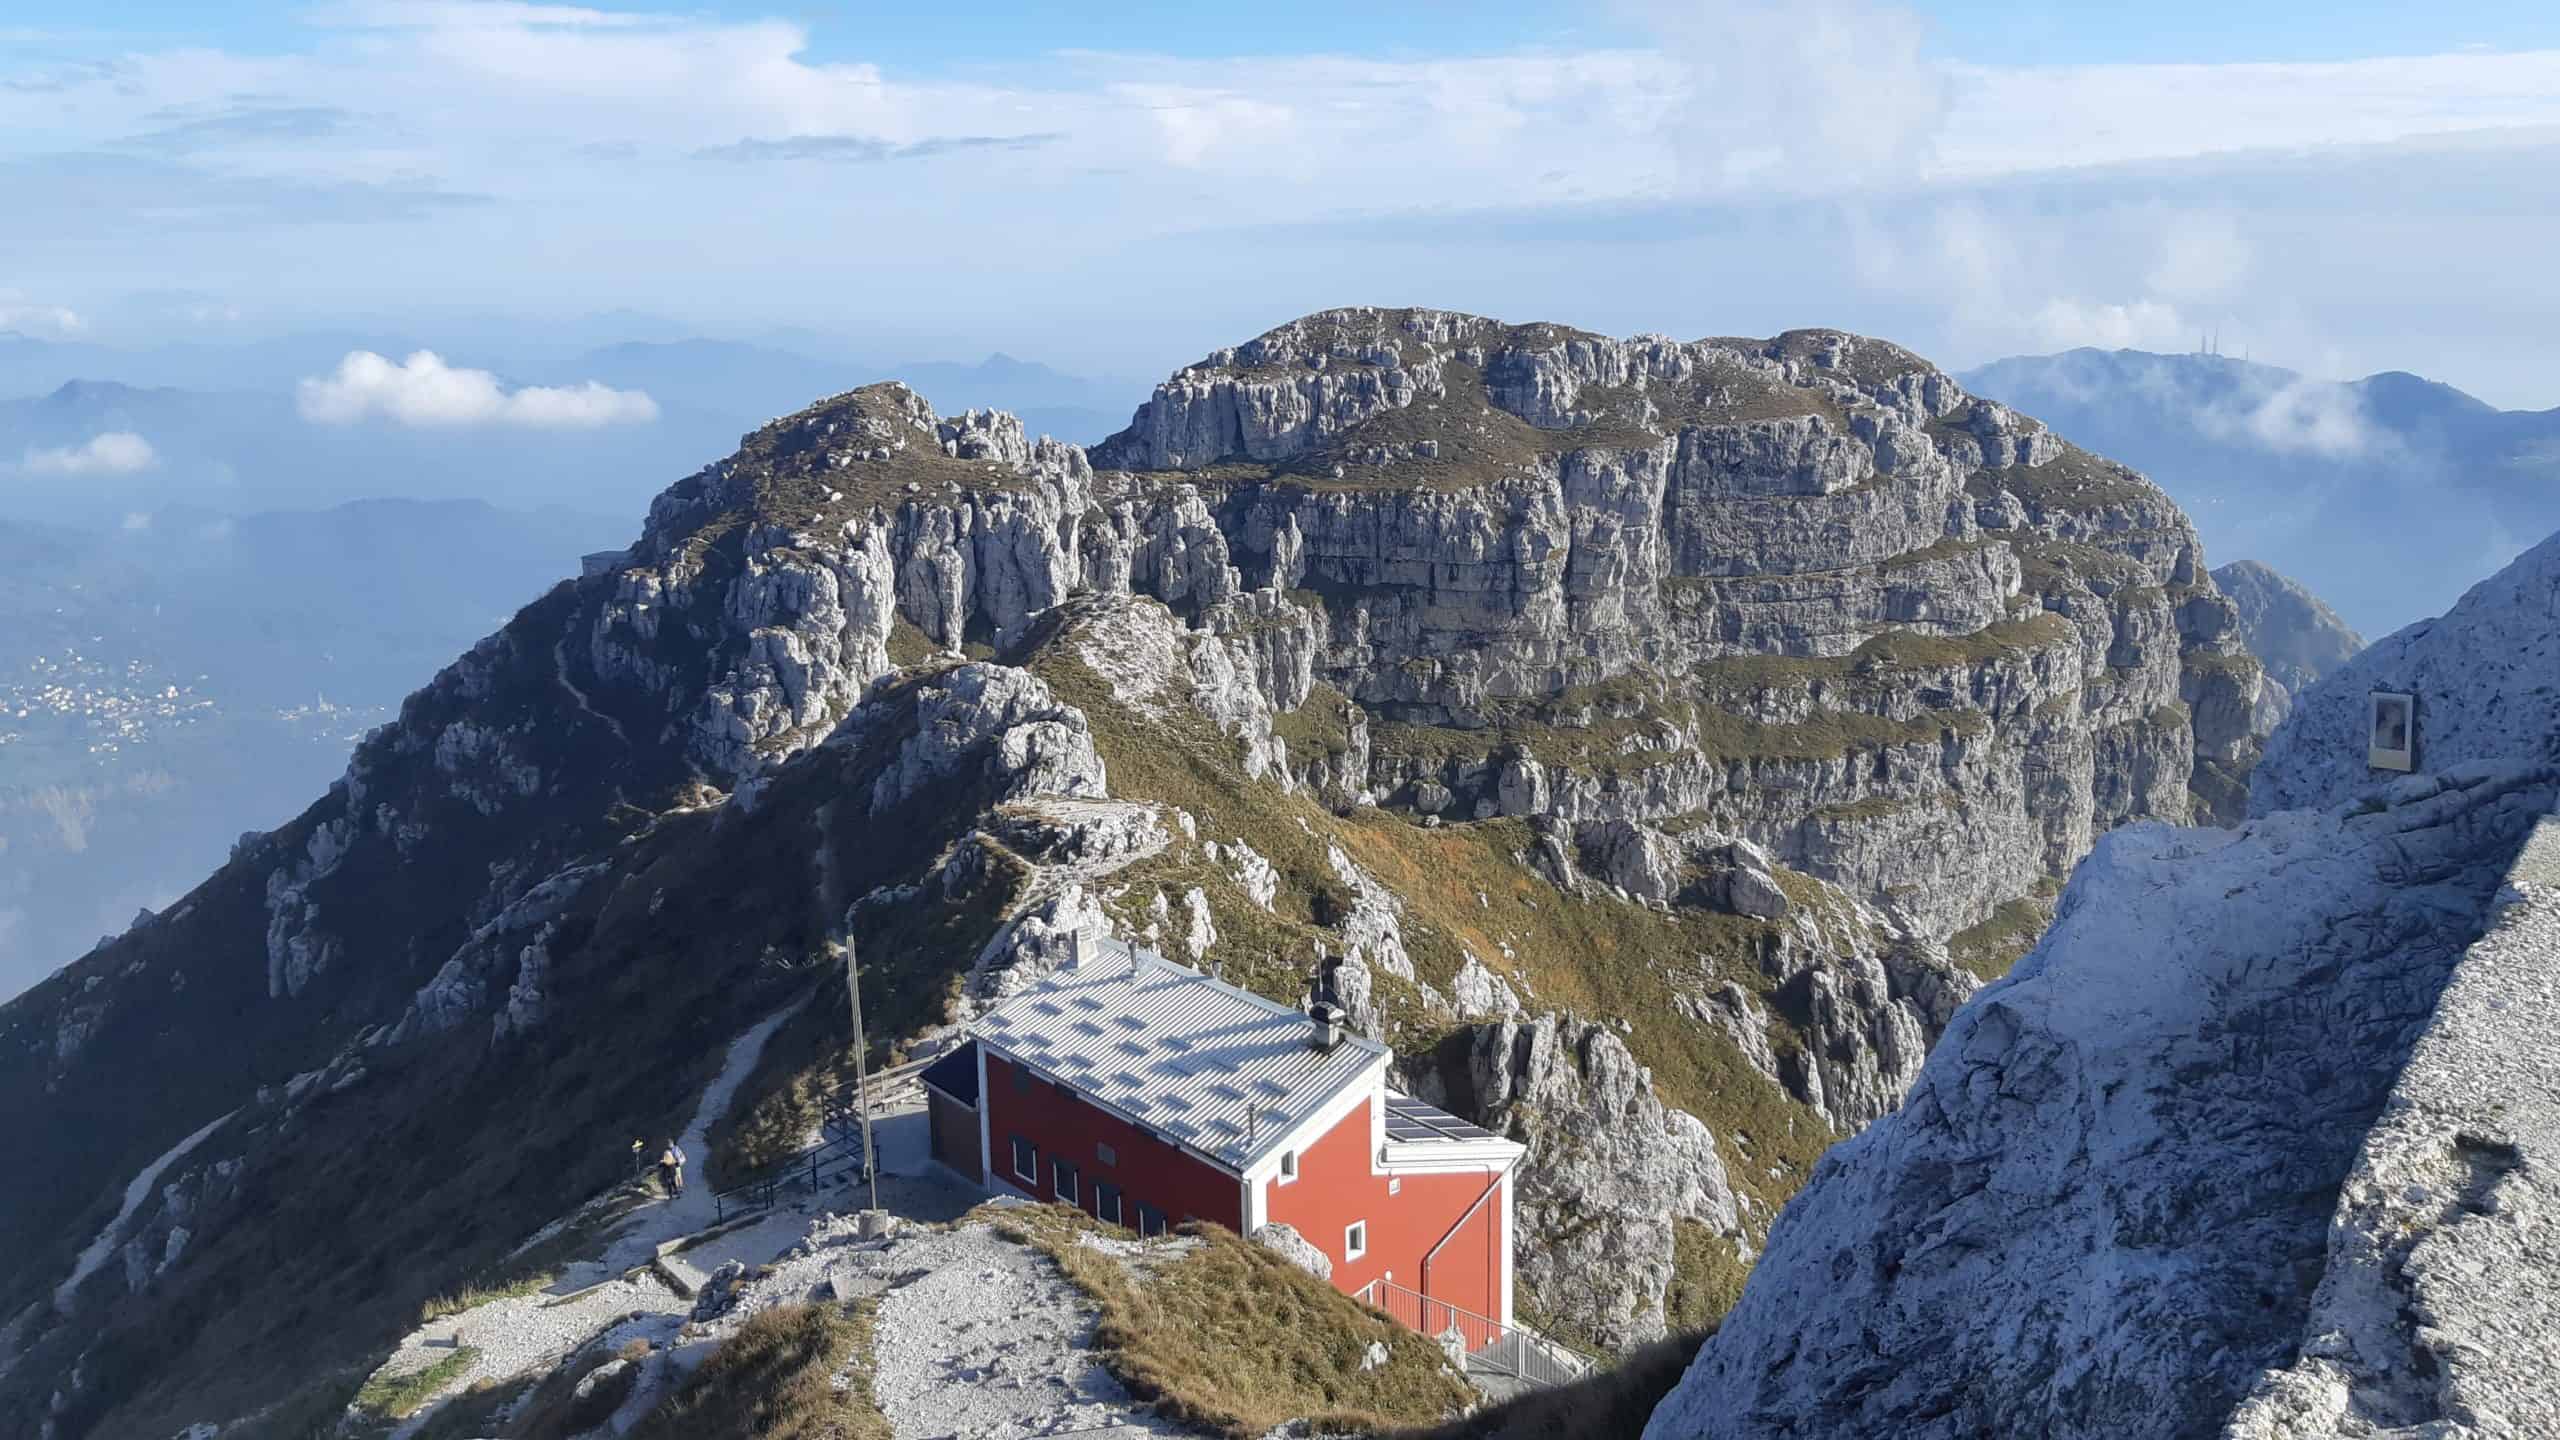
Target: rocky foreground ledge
(2212, 1160)
(2434, 1316)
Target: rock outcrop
(2294, 633)
(1612, 1171)
(2295, 636)
(2247, 1146)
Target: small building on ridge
(1146, 1094)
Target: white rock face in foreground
(2443, 1245)
(2106, 1204)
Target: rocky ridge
(2295, 636)
(1694, 694)
(2244, 1147)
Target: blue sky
(931, 36)
(2341, 188)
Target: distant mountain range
(2387, 496)
(224, 432)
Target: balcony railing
(1486, 1346)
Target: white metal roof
(1188, 1056)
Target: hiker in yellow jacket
(671, 1170)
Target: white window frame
(1113, 1196)
(1355, 1240)
(1288, 1174)
(1064, 1182)
(1023, 1147)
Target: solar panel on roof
(1410, 1120)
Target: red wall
(1148, 1170)
(1335, 1187)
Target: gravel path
(991, 1343)
(693, 1209)
(532, 1333)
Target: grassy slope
(775, 1380)
(1237, 1341)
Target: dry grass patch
(1989, 949)
(397, 1397)
(1233, 1339)
(471, 1414)
(472, 1297)
(775, 1380)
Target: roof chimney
(1328, 1023)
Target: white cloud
(484, 124)
(2202, 257)
(2007, 120)
(117, 452)
(2064, 323)
(27, 317)
(1814, 95)
(2304, 417)
(423, 391)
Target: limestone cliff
(1678, 702)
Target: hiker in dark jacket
(671, 1170)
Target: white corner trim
(1301, 1137)
(986, 1156)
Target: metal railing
(839, 1153)
(1489, 1347)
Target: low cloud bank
(424, 392)
(117, 452)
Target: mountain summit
(2387, 495)
(1659, 738)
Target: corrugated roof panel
(1233, 1071)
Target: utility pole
(836, 925)
(861, 1068)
